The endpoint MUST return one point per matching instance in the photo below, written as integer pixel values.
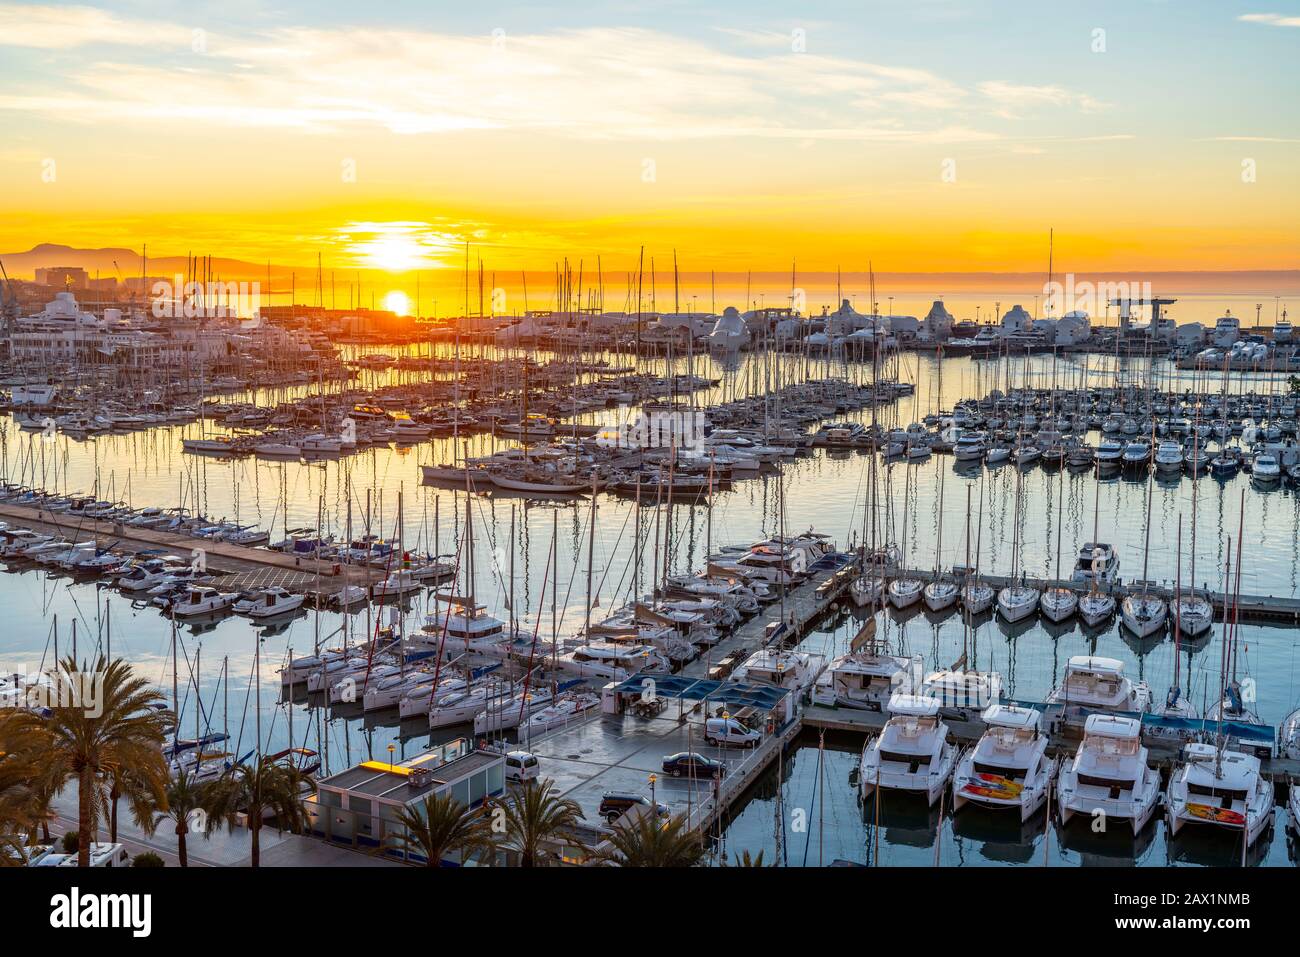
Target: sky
(921, 136)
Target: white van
(521, 766)
(102, 855)
(729, 731)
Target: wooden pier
(239, 567)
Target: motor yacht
(1097, 562)
(269, 602)
(911, 754)
(1008, 768)
(202, 600)
(1108, 775)
(1110, 452)
(1169, 457)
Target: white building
(1016, 322)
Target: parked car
(614, 804)
(691, 763)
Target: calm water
(822, 490)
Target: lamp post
(391, 749)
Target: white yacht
(567, 709)
(912, 753)
(1220, 787)
(1169, 457)
(940, 595)
(1017, 602)
(867, 590)
(1096, 607)
(614, 660)
(795, 671)
(977, 597)
(1266, 469)
(1099, 684)
(1110, 452)
(1008, 768)
(202, 600)
(1109, 775)
(970, 447)
(905, 592)
(512, 712)
(867, 679)
(1058, 604)
(1194, 614)
(269, 602)
(1143, 613)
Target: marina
(631, 436)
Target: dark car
(690, 763)
(613, 804)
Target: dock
(1249, 608)
(239, 567)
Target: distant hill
(111, 260)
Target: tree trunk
(112, 818)
(256, 829)
(181, 831)
(85, 785)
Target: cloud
(63, 28)
(1011, 99)
(1270, 19)
(594, 83)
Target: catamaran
(1221, 787)
(912, 753)
(1008, 768)
(1109, 774)
(1099, 684)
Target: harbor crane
(1125, 310)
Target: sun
(398, 302)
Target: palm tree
(20, 804)
(187, 802)
(745, 860)
(442, 827)
(265, 785)
(104, 720)
(649, 841)
(532, 816)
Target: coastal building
(358, 807)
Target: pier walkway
(240, 567)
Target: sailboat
(1176, 704)
(976, 596)
(904, 592)
(940, 595)
(1193, 613)
(1008, 768)
(1143, 613)
(1017, 601)
(1059, 603)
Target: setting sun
(398, 302)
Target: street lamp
(391, 749)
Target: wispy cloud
(1270, 19)
(599, 82)
(1012, 99)
(64, 28)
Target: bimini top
(1010, 716)
(1096, 664)
(914, 706)
(1112, 726)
